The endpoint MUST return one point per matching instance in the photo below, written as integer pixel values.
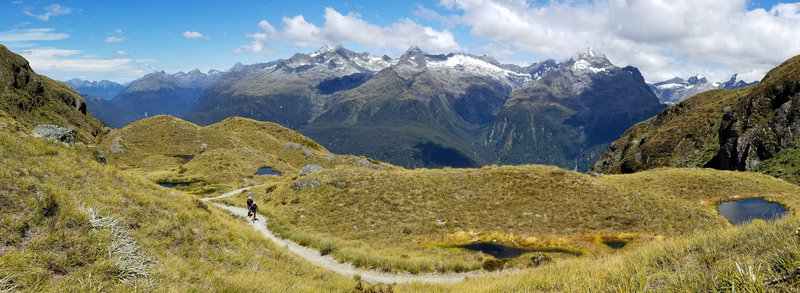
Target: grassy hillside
(215, 157)
(744, 129)
(142, 237)
(30, 99)
(684, 135)
(410, 219)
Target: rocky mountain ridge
(677, 89)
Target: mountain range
(157, 93)
(419, 110)
(673, 91)
(424, 110)
(103, 89)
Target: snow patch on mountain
(584, 65)
(469, 65)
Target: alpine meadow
(432, 146)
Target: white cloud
(661, 38)
(194, 35)
(122, 53)
(115, 36)
(52, 10)
(349, 29)
(34, 34)
(114, 39)
(62, 64)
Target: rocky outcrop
(306, 183)
(57, 133)
(759, 127)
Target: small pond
(615, 244)
(743, 211)
(267, 171)
(500, 252)
(170, 185)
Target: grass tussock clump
(751, 258)
(156, 240)
(410, 220)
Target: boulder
(293, 146)
(310, 168)
(367, 164)
(101, 156)
(116, 147)
(306, 183)
(57, 133)
(307, 153)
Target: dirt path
(328, 262)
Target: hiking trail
(347, 269)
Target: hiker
(254, 210)
(249, 203)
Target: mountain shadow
(437, 156)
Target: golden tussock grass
(408, 220)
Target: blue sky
(123, 40)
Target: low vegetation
(69, 223)
(221, 156)
(750, 258)
(409, 220)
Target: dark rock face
(759, 128)
(57, 133)
(481, 102)
(336, 84)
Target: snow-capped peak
(697, 79)
(324, 50)
(591, 62)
